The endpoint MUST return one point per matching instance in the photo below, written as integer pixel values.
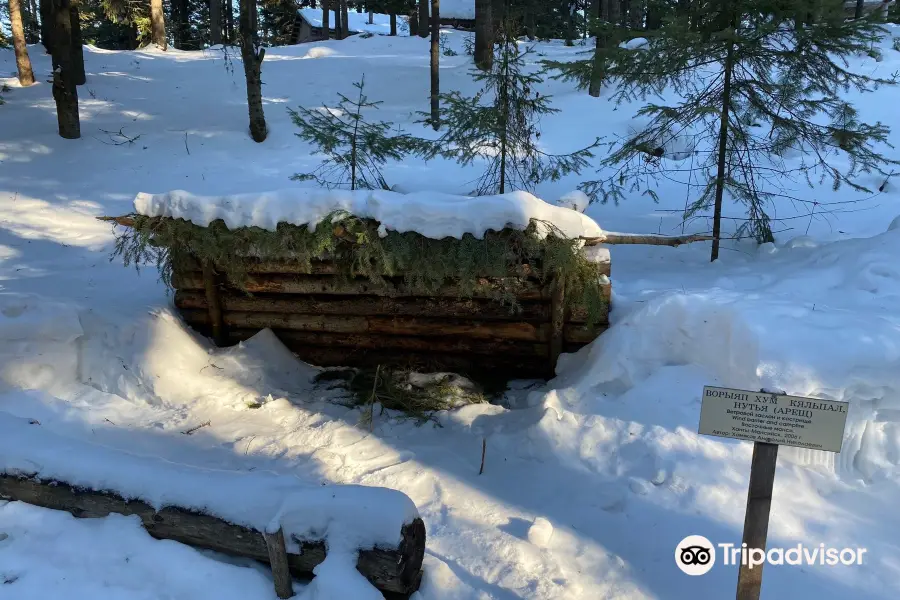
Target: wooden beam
(391, 326)
(309, 341)
(557, 319)
(213, 304)
(376, 306)
(391, 570)
(330, 285)
(647, 239)
(756, 519)
(278, 560)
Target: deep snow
(589, 482)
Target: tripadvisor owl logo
(695, 555)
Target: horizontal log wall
(394, 571)
(330, 320)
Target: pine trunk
(860, 5)
(393, 24)
(345, 20)
(423, 18)
(326, 20)
(636, 14)
(32, 27)
(484, 35)
(252, 58)
(215, 21)
(371, 18)
(227, 22)
(570, 22)
(723, 148)
(77, 46)
(45, 7)
(413, 21)
(597, 70)
(435, 64)
(23, 62)
(158, 24)
(65, 90)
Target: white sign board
(773, 418)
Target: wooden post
(214, 304)
(557, 319)
(756, 519)
(278, 558)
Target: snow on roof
(432, 214)
(457, 9)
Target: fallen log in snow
(395, 571)
(610, 237)
(236, 512)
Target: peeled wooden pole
(278, 559)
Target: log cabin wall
(329, 320)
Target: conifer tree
(355, 148)
(756, 80)
(500, 125)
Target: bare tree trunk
(654, 15)
(423, 18)
(393, 23)
(65, 90)
(23, 62)
(413, 21)
(252, 58)
(32, 25)
(77, 45)
(723, 148)
(345, 20)
(371, 18)
(326, 20)
(597, 70)
(215, 21)
(484, 35)
(636, 14)
(435, 64)
(45, 7)
(158, 24)
(858, 13)
(228, 18)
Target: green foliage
(357, 247)
(787, 117)
(355, 148)
(500, 125)
(417, 398)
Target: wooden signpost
(768, 420)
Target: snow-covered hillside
(590, 481)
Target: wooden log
(392, 570)
(393, 326)
(378, 342)
(649, 239)
(582, 334)
(213, 305)
(579, 314)
(370, 306)
(557, 319)
(287, 266)
(278, 560)
(328, 285)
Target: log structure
(331, 320)
(396, 572)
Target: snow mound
(434, 215)
(895, 224)
(319, 52)
(574, 200)
(346, 516)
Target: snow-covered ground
(589, 481)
